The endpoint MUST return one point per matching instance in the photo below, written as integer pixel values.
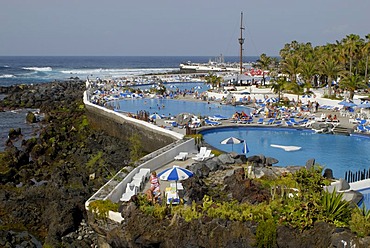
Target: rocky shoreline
(45, 182)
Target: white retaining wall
(359, 185)
(133, 120)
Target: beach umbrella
(155, 116)
(198, 87)
(245, 149)
(271, 100)
(347, 103)
(176, 173)
(232, 141)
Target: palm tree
(366, 53)
(278, 86)
(291, 66)
(352, 83)
(351, 46)
(308, 71)
(213, 80)
(331, 69)
(264, 63)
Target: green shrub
(335, 210)
(189, 213)
(360, 222)
(101, 208)
(136, 147)
(266, 233)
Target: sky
(173, 27)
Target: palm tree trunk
(329, 87)
(367, 63)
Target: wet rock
(31, 117)
(200, 169)
(328, 173)
(310, 163)
(226, 159)
(14, 133)
(270, 161)
(212, 165)
(254, 159)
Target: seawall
(123, 127)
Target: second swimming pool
(337, 152)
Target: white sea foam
(116, 72)
(48, 68)
(7, 76)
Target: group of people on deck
(241, 116)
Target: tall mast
(241, 41)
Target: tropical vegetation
(342, 66)
(297, 200)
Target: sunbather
(154, 182)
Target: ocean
(36, 69)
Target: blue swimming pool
(170, 107)
(366, 200)
(181, 86)
(337, 152)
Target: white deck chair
(182, 156)
(137, 182)
(131, 190)
(143, 173)
(201, 153)
(206, 156)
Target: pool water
(366, 200)
(337, 152)
(171, 107)
(181, 86)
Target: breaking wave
(117, 72)
(7, 76)
(38, 68)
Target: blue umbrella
(245, 149)
(175, 173)
(155, 116)
(347, 103)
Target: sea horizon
(42, 69)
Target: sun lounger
(270, 121)
(137, 182)
(145, 172)
(277, 123)
(361, 129)
(217, 118)
(260, 121)
(289, 123)
(182, 156)
(201, 152)
(206, 156)
(212, 123)
(172, 197)
(131, 190)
